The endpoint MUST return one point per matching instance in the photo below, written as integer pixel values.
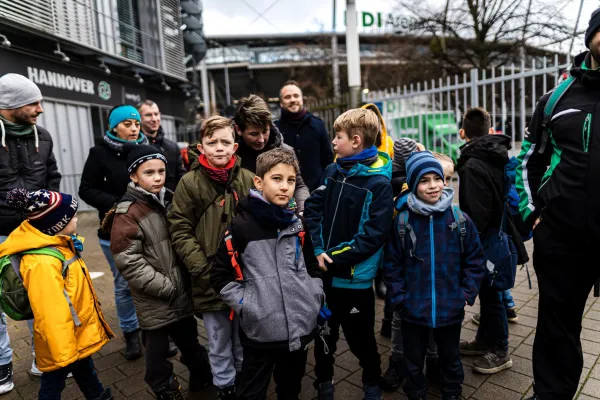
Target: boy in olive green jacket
(203, 206)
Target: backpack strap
(403, 228)
(555, 97)
(52, 252)
(461, 222)
(233, 254)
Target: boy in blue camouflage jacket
(434, 264)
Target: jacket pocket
(263, 316)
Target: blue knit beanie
(419, 164)
(121, 114)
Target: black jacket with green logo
(561, 185)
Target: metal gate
(70, 126)
(431, 111)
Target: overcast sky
(272, 17)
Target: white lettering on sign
(60, 81)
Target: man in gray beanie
(27, 162)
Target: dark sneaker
(511, 315)
(173, 350)
(472, 347)
(534, 397)
(326, 391)
(106, 395)
(133, 349)
(386, 328)
(492, 363)
(476, 319)
(392, 378)
(432, 369)
(171, 392)
(6, 378)
(226, 393)
(373, 393)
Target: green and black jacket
(561, 185)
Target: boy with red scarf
(203, 206)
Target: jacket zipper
(587, 126)
(335, 213)
(433, 302)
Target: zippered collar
(383, 167)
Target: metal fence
(431, 111)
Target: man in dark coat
(482, 185)
(558, 184)
(306, 133)
(156, 137)
(26, 161)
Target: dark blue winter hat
(419, 164)
(50, 212)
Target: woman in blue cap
(103, 183)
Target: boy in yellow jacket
(68, 324)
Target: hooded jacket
(309, 138)
(175, 168)
(561, 186)
(26, 162)
(105, 178)
(481, 190)
(58, 342)
(249, 156)
(200, 212)
(349, 218)
(280, 296)
(432, 286)
(143, 253)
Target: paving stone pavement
(127, 378)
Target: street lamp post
(352, 53)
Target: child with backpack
(204, 205)
(143, 253)
(349, 216)
(434, 265)
(265, 270)
(54, 287)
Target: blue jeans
(53, 383)
(508, 299)
(123, 301)
(493, 325)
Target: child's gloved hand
(324, 315)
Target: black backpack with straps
(405, 228)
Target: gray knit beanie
(17, 91)
(403, 148)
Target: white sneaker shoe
(36, 372)
(34, 369)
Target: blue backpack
(513, 199)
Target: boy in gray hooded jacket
(261, 272)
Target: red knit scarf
(219, 175)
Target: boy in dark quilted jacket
(434, 264)
(144, 255)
